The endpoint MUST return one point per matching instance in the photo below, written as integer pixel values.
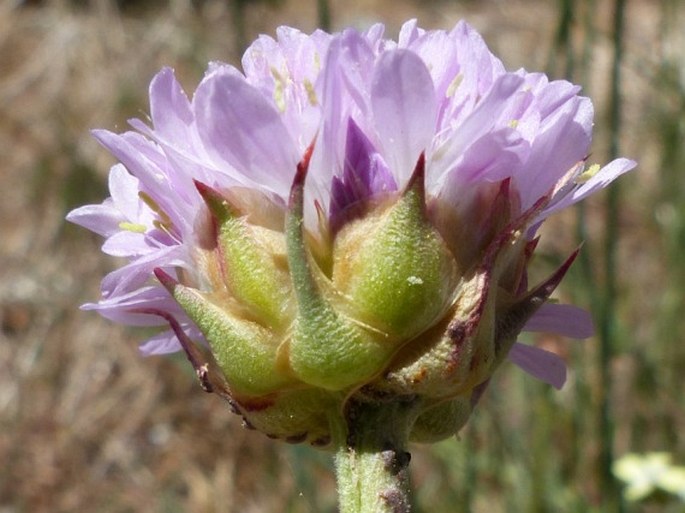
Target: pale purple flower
(492, 139)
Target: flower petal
(240, 128)
(138, 272)
(365, 174)
(122, 308)
(404, 109)
(102, 219)
(165, 342)
(601, 179)
(540, 364)
(478, 123)
(563, 140)
(344, 96)
(124, 190)
(127, 244)
(170, 108)
(566, 320)
(145, 161)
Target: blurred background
(88, 425)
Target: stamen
(279, 89)
(311, 94)
(133, 227)
(165, 224)
(587, 174)
(454, 85)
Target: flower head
(349, 217)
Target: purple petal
(474, 71)
(604, 177)
(404, 109)
(163, 343)
(144, 160)
(102, 219)
(540, 364)
(124, 190)
(374, 36)
(566, 320)
(170, 108)
(563, 140)
(241, 128)
(121, 308)
(123, 206)
(409, 33)
(138, 272)
(127, 244)
(476, 60)
(492, 158)
(364, 176)
(344, 95)
(478, 123)
(440, 55)
(286, 72)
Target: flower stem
(372, 461)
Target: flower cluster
(348, 218)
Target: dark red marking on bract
(321, 442)
(296, 439)
(460, 330)
(256, 404)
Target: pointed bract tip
(194, 355)
(417, 180)
(531, 245)
(505, 185)
(518, 224)
(202, 188)
(218, 205)
(300, 175)
(546, 288)
(165, 279)
(304, 163)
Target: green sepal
(441, 421)
(395, 271)
(248, 269)
(295, 416)
(245, 352)
(456, 355)
(326, 349)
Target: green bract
(395, 317)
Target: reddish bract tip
(200, 186)
(545, 289)
(512, 322)
(216, 202)
(204, 189)
(300, 175)
(303, 165)
(194, 355)
(418, 176)
(165, 279)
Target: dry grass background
(86, 424)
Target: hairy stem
(372, 461)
